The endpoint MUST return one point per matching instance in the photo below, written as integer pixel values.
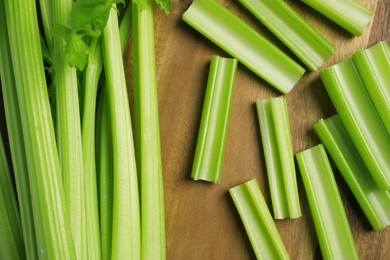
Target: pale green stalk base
(153, 245)
(374, 67)
(346, 13)
(352, 102)
(51, 219)
(374, 201)
(11, 237)
(126, 236)
(259, 225)
(242, 42)
(330, 221)
(279, 157)
(299, 36)
(211, 144)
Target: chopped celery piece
(258, 222)
(374, 67)
(210, 147)
(299, 36)
(346, 13)
(279, 156)
(126, 238)
(11, 238)
(15, 135)
(153, 244)
(354, 106)
(242, 42)
(51, 218)
(374, 201)
(330, 221)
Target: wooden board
(201, 220)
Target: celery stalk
(374, 201)
(299, 36)
(374, 66)
(279, 155)
(51, 219)
(125, 27)
(354, 106)
(153, 245)
(346, 13)
(330, 221)
(126, 218)
(11, 237)
(15, 134)
(210, 148)
(242, 42)
(258, 222)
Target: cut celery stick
(374, 68)
(358, 114)
(279, 155)
(374, 201)
(299, 36)
(346, 13)
(11, 237)
(330, 221)
(210, 147)
(153, 244)
(242, 42)
(258, 222)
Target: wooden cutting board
(201, 220)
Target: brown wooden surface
(201, 220)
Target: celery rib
(374, 201)
(330, 221)
(279, 155)
(259, 225)
(347, 13)
(210, 148)
(242, 42)
(354, 106)
(153, 244)
(373, 65)
(302, 39)
(125, 27)
(126, 237)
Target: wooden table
(201, 220)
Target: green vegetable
(346, 13)
(374, 201)
(374, 66)
(242, 42)
(279, 156)
(292, 30)
(330, 221)
(126, 236)
(357, 112)
(258, 222)
(210, 148)
(125, 27)
(11, 238)
(51, 218)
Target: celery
(15, 134)
(242, 42)
(330, 221)
(353, 104)
(346, 13)
(126, 218)
(259, 225)
(125, 27)
(279, 155)
(374, 66)
(148, 133)
(11, 238)
(50, 214)
(210, 148)
(374, 201)
(302, 39)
